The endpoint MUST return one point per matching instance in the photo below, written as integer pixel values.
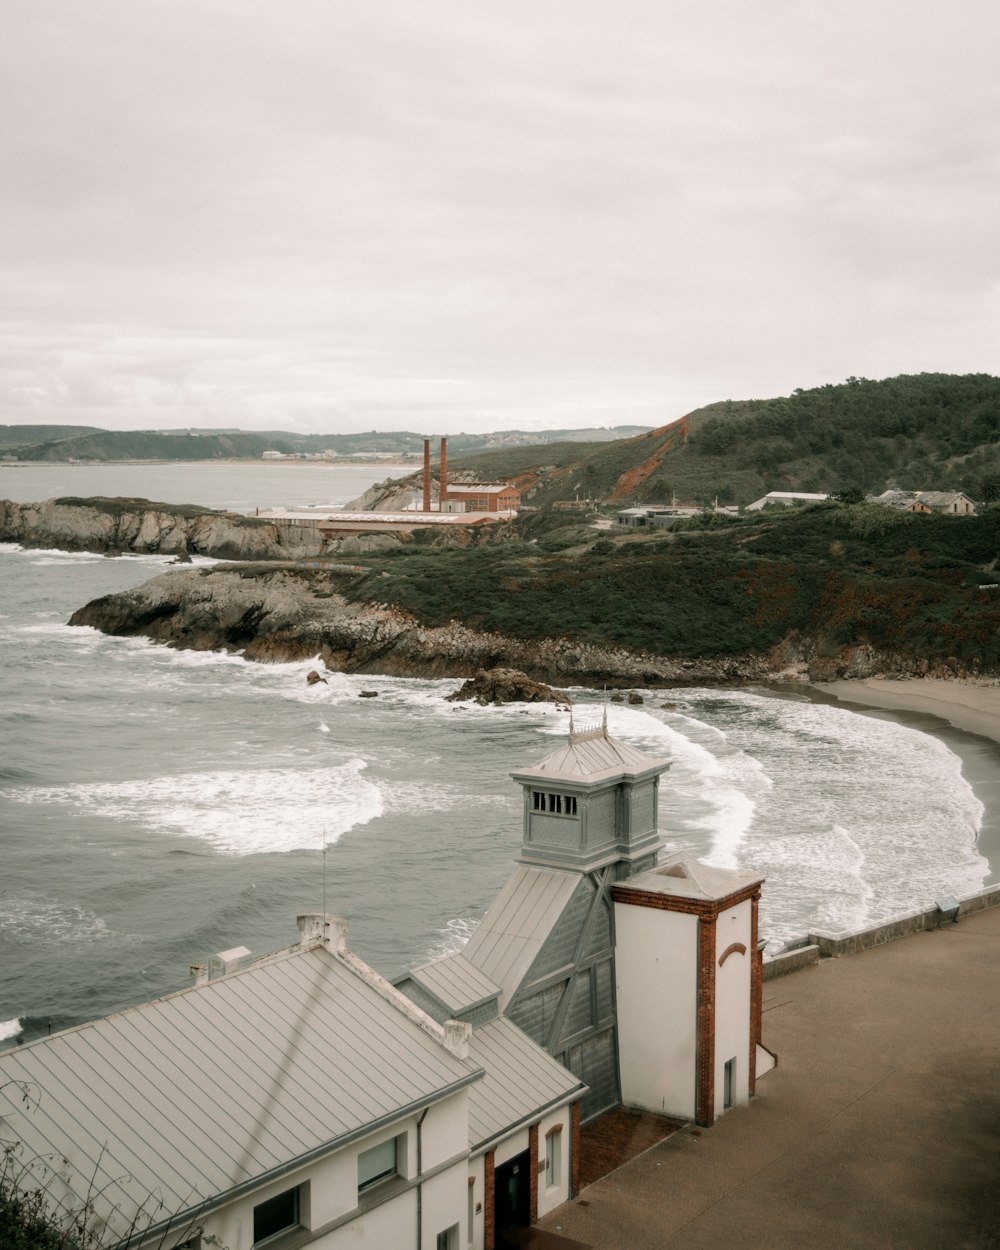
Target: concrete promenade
(879, 1128)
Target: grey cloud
(385, 213)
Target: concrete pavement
(880, 1127)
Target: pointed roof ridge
(591, 752)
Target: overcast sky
(447, 215)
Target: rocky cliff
(270, 612)
(137, 525)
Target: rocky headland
(110, 526)
(280, 613)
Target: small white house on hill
(784, 497)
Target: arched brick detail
(737, 948)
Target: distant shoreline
(309, 464)
(964, 715)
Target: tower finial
(604, 720)
(572, 729)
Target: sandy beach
(964, 715)
(965, 705)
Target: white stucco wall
(657, 960)
(552, 1196)
(510, 1147)
(732, 1003)
(476, 1171)
(332, 1188)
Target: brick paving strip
(878, 1130)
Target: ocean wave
(238, 812)
(452, 937)
(403, 797)
(11, 1028)
(871, 818)
(39, 919)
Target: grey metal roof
(220, 1085)
(593, 755)
(513, 930)
(686, 878)
(456, 982)
(520, 1079)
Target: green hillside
(108, 445)
(21, 435)
(61, 443)
(925, 431)
(840, 575)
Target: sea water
(157, 806)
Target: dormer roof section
(592, 756)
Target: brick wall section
(537, 1166)
(574, 1150)
(622, 892)
(705, 1029)
(489, 1192)
(756, 992)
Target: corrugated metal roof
(520, 1079)
(513, 930)
(214, 1087)
(594, 754)
(458, 983)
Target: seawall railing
(824, 945)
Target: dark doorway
(512, 1196)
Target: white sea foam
(402, 797)
(453, 937)
(870, 818)
(42, 920)
(243, 813)
(10, 1028)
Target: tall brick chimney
(443, 486)
(427, 475)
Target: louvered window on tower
(555, 804)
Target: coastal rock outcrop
(282, 612)
(504, 685)
(111, 526)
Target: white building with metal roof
(301, 1100)
(305, 1100)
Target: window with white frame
(380, 1163)
(553, 1156)
(448, 1239)
(277, 1215)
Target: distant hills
(928, 431)
(61, 443)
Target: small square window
(378, 1164)
(276, 1215)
